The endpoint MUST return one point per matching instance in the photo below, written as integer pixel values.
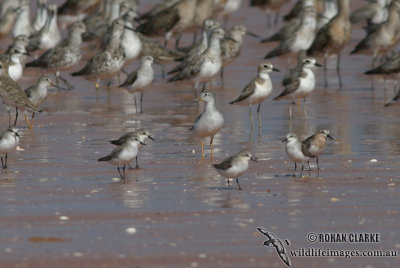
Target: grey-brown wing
(121, 140)
(246, 92)
(28, 91)
(195, 121)
(226, 164)
(130, 79)
(305, 146)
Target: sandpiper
(140, 79)
(257, 90)
(299, 39)
(171, 20)
(16, 67)
(105, 64)
(332, 37)
(299, 82)
(64, 55)
(20, 42)
(123, 154)
(11, 93)
(384, 38)
(140, 134)
(231, 46)
(208, 123)
(22, 24)
(314, 145)
(207, 65)
(235, 166)
(130, 41)
(49, 35)
(9, 140)
(374, 12)
(294, 151)
(37, 94)
(41, 15)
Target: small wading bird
(314, 145)
(208, 123)
(9, 140)
(257, 91)
(235, 166)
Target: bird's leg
(221, 74)
(16, 116)
(211, 147)
(259, 118)
(134, 98)
(325, 70)
(237, 181)
(5, 161)
(137, 163)
(178, 38)
(295, 168)
(305, 109)
(229, 184)
(141, 102)
(290, 117)
(338, 71)
(97, 83)
(302, 169)
(119, 172)
(123, 171)
(27, 121)
(202, 148)
(2, 164)
(372, 76)
(251, 119)
(318, 164)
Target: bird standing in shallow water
(208, 123)
(314, 145)
(294, 151)
(140, 79)
(235, 166)
(257, 91)
(9, 140)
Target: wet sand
(60, 207)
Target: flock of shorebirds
(312, 28)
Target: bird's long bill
(253, 158)
(142, 143)
(284, 140)
(275, 69)
(252, 34)
(318, 64)
(330, 137)
(150, 137)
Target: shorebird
(37, 94)
(64, 55)
(7, 21)
(130, 41)
(22, 24)
(332, 37)
(257, 90)
(41, 15)
(299, 82)
(269, 6)
(208, 123)
(235, 166)
(9, 140)
(231, 46)
(140, 134)
(301, 38)
(170, 21)
(123, 154)
(49, 35)
(382, 39)
(314, 145)
(375, 12)
(140, 79)
(20, 42)
(16, 66)
(105, 64)
(294, 151)
(11, 93)
(202, 68)
(157, 8)
(389, 68)
(74, 10)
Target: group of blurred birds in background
(311, 29)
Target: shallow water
(61, 207)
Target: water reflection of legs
(251, 119)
